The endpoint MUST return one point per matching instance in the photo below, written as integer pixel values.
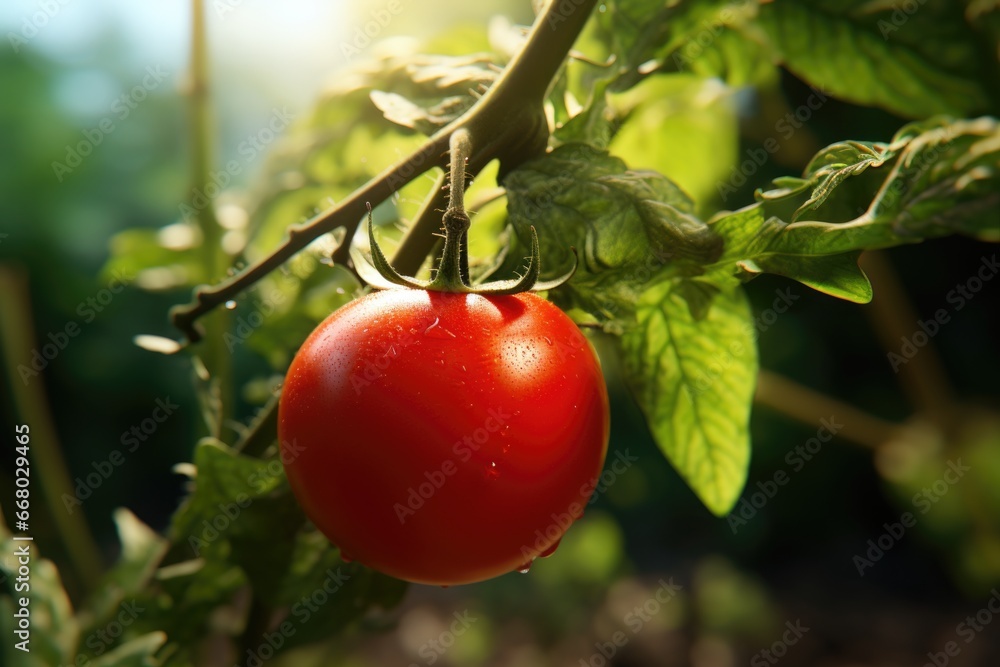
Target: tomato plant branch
(17, 337)
(420, 240)
(808, 406)
(508, 123)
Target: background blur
(792, 560)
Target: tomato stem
(453, 269)
(453, 272)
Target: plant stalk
(214, 354)
(807, 406)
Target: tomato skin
(444, 438)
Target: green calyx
(453, 270)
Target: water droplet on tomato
(230, 305)
(524, 567)
(340, 290)
(491, 471)
(551, 550)
(547, 339)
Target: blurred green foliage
(119, 212)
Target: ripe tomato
(444, 438)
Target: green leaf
(323, 594)
(628, 226)
(425, 119)
(672, 118)
(702, 36)
(158, 259)
(915, 64)
(142, 551)
(243, 511)
(435, 90)
(946, 180)
(729, 47)
(934, 179)
(239, 521)
(755, 245)
(694, 378)
(187, 595)
(592, 124)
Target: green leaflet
(702, 36)
(142, 549)
(935, 178)
(914, 62)
(436, 90)
(671, 119)
(694, 380)
(756, 244)
(628, 226)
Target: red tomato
(444, 438)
